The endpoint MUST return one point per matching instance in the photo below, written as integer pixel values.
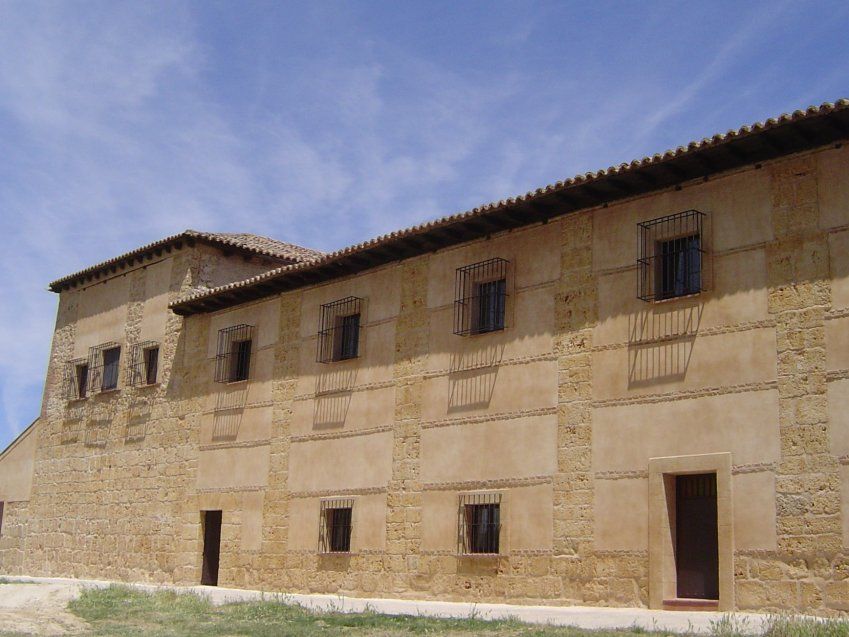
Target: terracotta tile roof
(263, 245)
(774, 137)
(277, 251)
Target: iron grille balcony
(233, 360)
(335, 525)
(103, 365)
(672, 256)
(76, 378)
(339, 330)
(144, 364)
(479, 524)
(480, 297)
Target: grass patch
(125, 611)
(121, 610)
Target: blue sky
(325, 123)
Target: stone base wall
(13, 537)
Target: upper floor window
(336, 525)
(480, 302)
(480, 524)
(339, 330)
(76, 379)
(144, 364)
(111, 360)
(81, 375)
(672, 256)
(490, 306)
(103, 364)
(233, 360)
(1, 519)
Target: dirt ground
(38, 609)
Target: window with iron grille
(480, 299)
(233, 360)
(103, 365)
(672, 256)
(144, 364)
(335, 525)
(76, 379)
(339, 330)
(479, 524)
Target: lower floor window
(336, 525)
(480, 523)
(1, 518)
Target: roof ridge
(264, 246)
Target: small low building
(627, 388)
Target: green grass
(120, 610)
(125, 611)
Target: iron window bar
(144, 364)
(76, 378)
(672, 256)
(103, 365)
(233, 358)
(335, 525)
(479, 524)
(339, 330)
(480, 297)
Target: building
(627, 388)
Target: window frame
(148, 353)
(674, 256)
(481, 297)
(340, 330)
(111, 369)
(668, 267)
(240, 360)
(491, 304)
(469, 537)
(331, 530)
(232, 363)
(76, 383)
(81, 372)
(139, 368)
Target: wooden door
(697, 547)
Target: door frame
(663, 584)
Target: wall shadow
(331, 410)
(471, 389)
(229, 406)
(137, 417)
(660, 342)
(334, 386)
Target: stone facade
(576, 415)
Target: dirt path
(38, 609)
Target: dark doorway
(696, 542)
(211, 547)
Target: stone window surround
(662, 575)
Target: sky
(328, 123)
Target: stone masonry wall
(13, 537)
(809, 570)
(110, 477)
(115, 489)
